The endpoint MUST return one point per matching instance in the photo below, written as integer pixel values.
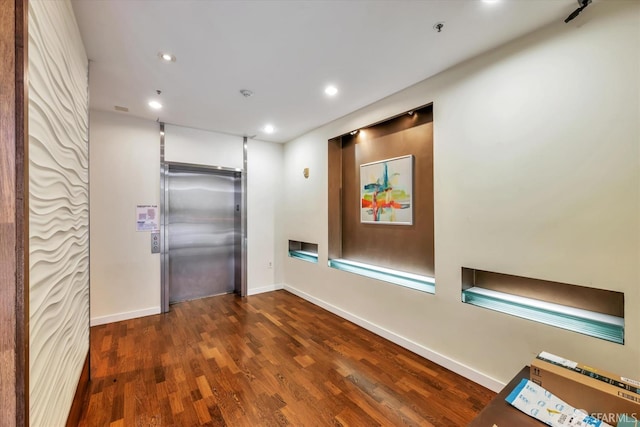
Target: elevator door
(202, 234)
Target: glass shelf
(409, 280)
(599, 325)
(304, 255)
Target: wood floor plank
(266, 360)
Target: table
(498, 412)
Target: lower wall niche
(595, 312)
(303, 250)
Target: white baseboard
(263, 289)
(440, 359)
(101, 320)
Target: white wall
(537, 174)
(125, 172)
(58, 211)
(195, 146)
(265, 245)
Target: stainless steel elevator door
(202, 233)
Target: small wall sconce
(305, 172)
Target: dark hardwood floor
(266, 360)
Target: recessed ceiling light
(269, 129)
(155, 105)
(331, 90)
(167, 57)
(490, 1)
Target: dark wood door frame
(14, 308)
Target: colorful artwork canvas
(386, 191)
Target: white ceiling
(286, 52)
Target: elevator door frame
(240, 283)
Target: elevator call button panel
(155, 242)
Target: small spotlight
(161, 133)
(331, 90)
(155, 105)
(410, 113)
(269, 129)
(354, 132)
(166, 57)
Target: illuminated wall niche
(397, 253)
(303, 250)
(595, 312)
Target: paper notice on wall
(147, 218)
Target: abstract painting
(386, 191)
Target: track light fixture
(583, 5)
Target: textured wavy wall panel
(58, 211)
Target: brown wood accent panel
(598, 300)
(13, 337)
(295, 245)
(22, 209)
(265, 360)
(7, 113)
(80, 398)
(309, 247)
(396, 124)
(335, 198)
(404, 247)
